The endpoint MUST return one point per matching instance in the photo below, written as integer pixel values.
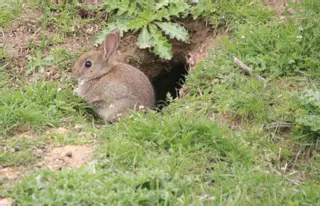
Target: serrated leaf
(161, 4)
(144, 39)
(174, 30)
(137, 23)
(177, 9)
(101, 35)
(120, 24)
(160, 43)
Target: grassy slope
(217, 146)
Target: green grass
(58, 58)
(63, 59)
(232, 140)
(281, 49)
(36, 107)
(9, 10)
(171, 159)
(24, 156)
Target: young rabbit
(111, 88)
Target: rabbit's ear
(111, 43)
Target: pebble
(17, 148)
(78, 128)
(69, 154)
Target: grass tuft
(35, 107)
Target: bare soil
(9, 173)
(6, 202)
(55, 158)
(280, 8)
(277, 5)
(25, 33)
(69, 156)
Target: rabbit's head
(94, 64)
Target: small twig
(35, 32)
(200, 92)
(247, 70)
(280, 125)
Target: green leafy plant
(151, 19)
(62, 58)
(38, 62)
(308, 122)
(155, 20)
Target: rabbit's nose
(74, 73)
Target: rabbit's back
(125, 81)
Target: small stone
(69, 154)
(39, 164)
(78, 128)
(17, 148)
(38, 151)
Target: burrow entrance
(170, 79)
(168, 76)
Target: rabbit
(111, 88)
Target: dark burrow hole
(168, 76)
(170, 80)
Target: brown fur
(112, 88)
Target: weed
(148, 18)
(308, 123)
(38, 62)
(153, 19)
(56, 39)
(62, 58)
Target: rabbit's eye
(88, 64)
